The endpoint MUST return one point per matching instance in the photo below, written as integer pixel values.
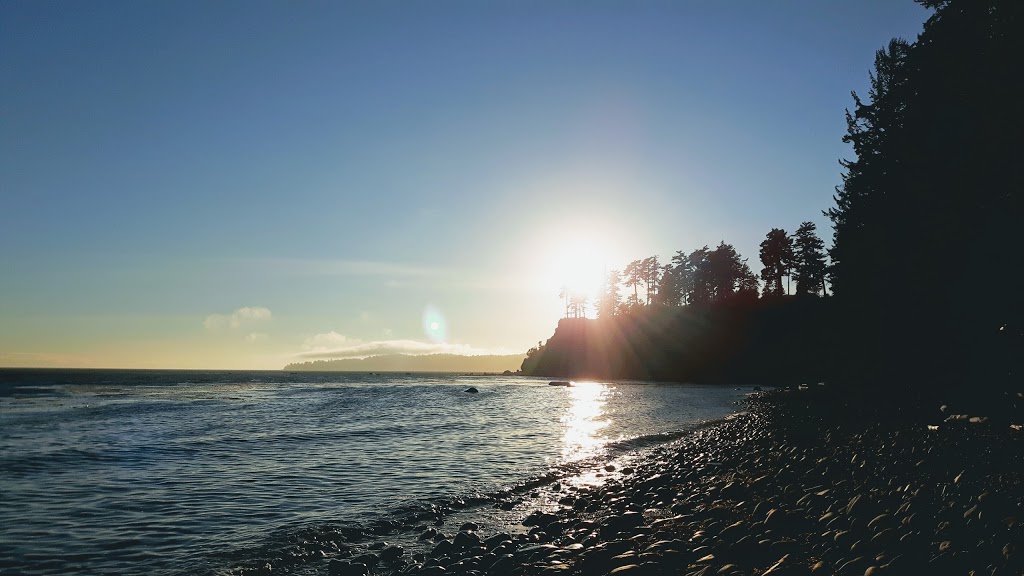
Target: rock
(369, 559)
(502, 565)
(629, 569)
(465, 540)
(391, 553)
(879, 521)
(538, 518)
(622, 522)
(497, 540)
(469, 527)
(428, 534)
(472, 390)
(441, 548)
(346, 568)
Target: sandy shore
(800, 483)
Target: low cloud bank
(333, 345)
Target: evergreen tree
(634, 277)
(809, 260)
(935, 180)
(610, 300)
(698, 285)
(651, 276)
(777, 256)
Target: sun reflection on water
(584, 419)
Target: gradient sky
(243, 184)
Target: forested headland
(920, 288)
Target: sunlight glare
(576, 259)
(584, 419)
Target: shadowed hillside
(775, 341)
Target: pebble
(780, 490)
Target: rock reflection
(583, 420)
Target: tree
(726, 271)
(634, 277)
(578, 301)
(935, 180)
(777, 257)
(565, 294)
(697, 283)
(809, 260)
(670, 287)
(651, 275)
(610, 300)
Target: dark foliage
(927, 221)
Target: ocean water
(187, 472)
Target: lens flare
(434, 325)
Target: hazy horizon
(245, 185)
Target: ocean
(208, 472)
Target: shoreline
(799, 482)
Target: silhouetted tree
(935, 180)
(651, 275)
(726, 270)
(610, 300)
(809, 260)
(697, 284)
(777, 256)
(565, 294)
(670, 286)
(578, 302)
(634, 277)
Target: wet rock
(469, 527)
(441, 548)
(504, 564)
(496, 540)
(391, 553)
(465, 540)
(369, 559)
(346, 568)
(538, 518)
(472, 390)
(622, 522)
(428, 534)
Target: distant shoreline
(429, 363)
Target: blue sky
(246, 184)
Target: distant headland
(409, 363)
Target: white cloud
(244, 316)
(334, 345)
(256, 337)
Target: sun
(575, 261)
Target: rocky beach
(804, 481)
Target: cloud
(337, 346)
(244, 316)
(256, 337)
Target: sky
(245, 184)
